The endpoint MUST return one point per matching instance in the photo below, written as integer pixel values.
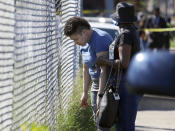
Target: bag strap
(106, 87)
(119, 75)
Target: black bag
(109, 105)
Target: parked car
(105, 24)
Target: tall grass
(76, 118)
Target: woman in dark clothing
(126, 45)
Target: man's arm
(103, 75)
(86, 85)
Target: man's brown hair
(75, 25)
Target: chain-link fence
(69, 52)
(36, 61)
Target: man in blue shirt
(93, 43)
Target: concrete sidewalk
(156, 113)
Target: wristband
(100, 95)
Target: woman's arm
(124, 56)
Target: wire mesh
(7, 23)
(69, 52)
(36, 60)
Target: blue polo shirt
(100, 41)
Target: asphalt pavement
(156, 113)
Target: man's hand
(84, 99)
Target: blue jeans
(94, 92)
(128, 106)
(143, 44)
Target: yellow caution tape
(96, 11)
(90, 11)
(159, 29)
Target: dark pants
(127, 109)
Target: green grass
(34, 127)
(76, 117)
(172, 43)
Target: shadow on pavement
(149, 102)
